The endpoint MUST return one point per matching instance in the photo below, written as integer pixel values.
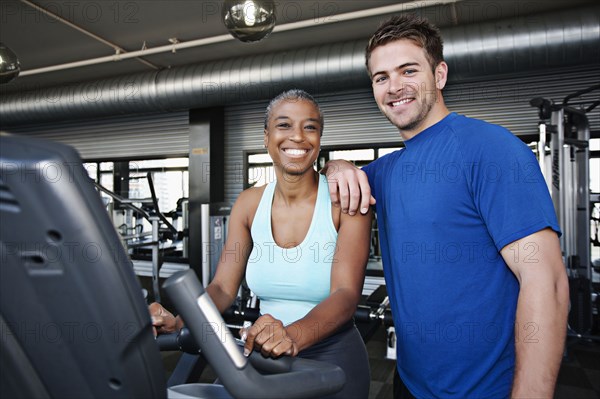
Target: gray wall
(353, 118)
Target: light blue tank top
(291, 281)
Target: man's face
(405, 87)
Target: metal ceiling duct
(511, 46)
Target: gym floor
(579, 376)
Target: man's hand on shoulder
(348, 186)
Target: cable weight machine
(563, 154)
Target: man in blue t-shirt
(469, 236)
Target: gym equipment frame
(565, 129)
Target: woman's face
(293, 135)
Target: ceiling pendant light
(249, 20)
(9, 64)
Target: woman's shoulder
(250, 196)
(247, 202)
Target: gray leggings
(345, 349)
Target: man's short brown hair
(411, 27)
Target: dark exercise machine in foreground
(73, 321)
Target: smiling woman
(293, 129)
(302, 257)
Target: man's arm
(348, 187)
(542, 308)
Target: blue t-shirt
(290, 282)
(458, 193)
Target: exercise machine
(73, 321)
(161, 231)
(376, 313)
(563, 154)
